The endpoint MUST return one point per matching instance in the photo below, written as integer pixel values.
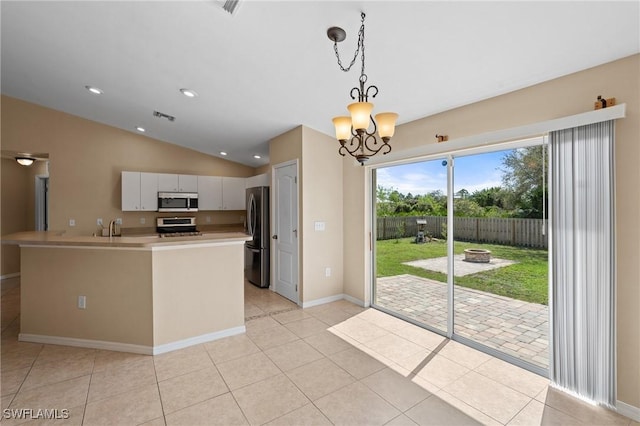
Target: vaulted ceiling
(270, 66)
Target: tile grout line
(230, 392)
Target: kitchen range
(177, 227)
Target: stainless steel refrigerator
(256, 251)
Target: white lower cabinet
(139, 191)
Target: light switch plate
(319, 226)
(72, 222)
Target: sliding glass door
(411, 242)
(461, 249)
(500, 284)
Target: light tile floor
(331, 364)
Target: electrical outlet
(208, 219)
(327, 272)
(143, 221)
(119, 221)
(72, 222)
(99, 221)
(82, 302)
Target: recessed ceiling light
(223, 153)
(256, 156)
(94, 90)
(141, 129)
(189, 93)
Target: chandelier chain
(358, 48)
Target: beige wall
(86, 159)
(18, 206)
(321, 201)
(134, 296)
(15, 190)
(197, 291)
(116, 283)
(557, 98)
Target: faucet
(112, 227)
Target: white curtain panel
(582, 301)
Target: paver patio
(512, 326)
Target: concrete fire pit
(477, 255)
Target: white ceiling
(271, 67)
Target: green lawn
(525, 280)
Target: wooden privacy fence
(508, 231)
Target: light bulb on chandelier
(353, 132)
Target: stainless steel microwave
(177, 202)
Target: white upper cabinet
(259, 180)
(149, 192)
(130, 191)
(177, 183)
(233, 193)
(187, 183)
(139, 191)
(209, 193)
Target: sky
(472, 173)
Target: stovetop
(180, 234)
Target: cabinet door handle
(275, 237)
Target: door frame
(272, 216)
(41, 202)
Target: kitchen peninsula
(140, 294)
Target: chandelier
(353, 132)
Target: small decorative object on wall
(603, 103)
(353, 132)
(442, 138)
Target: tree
(523, 177)
(384, 206)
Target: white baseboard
(322, 301)
(128, 347)
(354, 301)
(628, 410)
(333, 298)
(86, 343)
(192, 341)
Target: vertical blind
(583, 267)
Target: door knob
(275, 237)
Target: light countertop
(56, 238)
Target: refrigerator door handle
(251, 224)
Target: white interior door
(285, 231)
